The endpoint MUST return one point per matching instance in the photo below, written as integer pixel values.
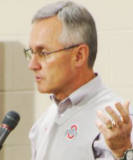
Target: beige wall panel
(114, 59)
(42, 102)
(23, 103)
(16, 93)
(17, 152)
(121, 58)
(126, 93)
(12, 67)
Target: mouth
(38, 78)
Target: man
(63, 47)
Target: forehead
(45, 31)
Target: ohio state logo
(72, 131)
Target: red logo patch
(72, 132)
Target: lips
(38, 78)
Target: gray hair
(78, 25)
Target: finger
(114, 116)
(104, 119)
(101, 128)
(126, 106)
(123, 111)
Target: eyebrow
(40, 47)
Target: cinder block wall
(114, 62)
(16, 93)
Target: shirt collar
(89, 89)
(63, 105)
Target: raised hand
(117, 129)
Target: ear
(81, 55)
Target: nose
(34, 63)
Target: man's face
(54, 73)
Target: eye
(42, 53)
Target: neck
(77, 83)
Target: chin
(44, 90)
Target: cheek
(57, 69)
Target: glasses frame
(44, 53)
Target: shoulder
(37, 125)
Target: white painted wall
(114, 62)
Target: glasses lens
(28, 54)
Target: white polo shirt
(67, 131)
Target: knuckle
(108, 121)
(119, 123)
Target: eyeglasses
(29, 52)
